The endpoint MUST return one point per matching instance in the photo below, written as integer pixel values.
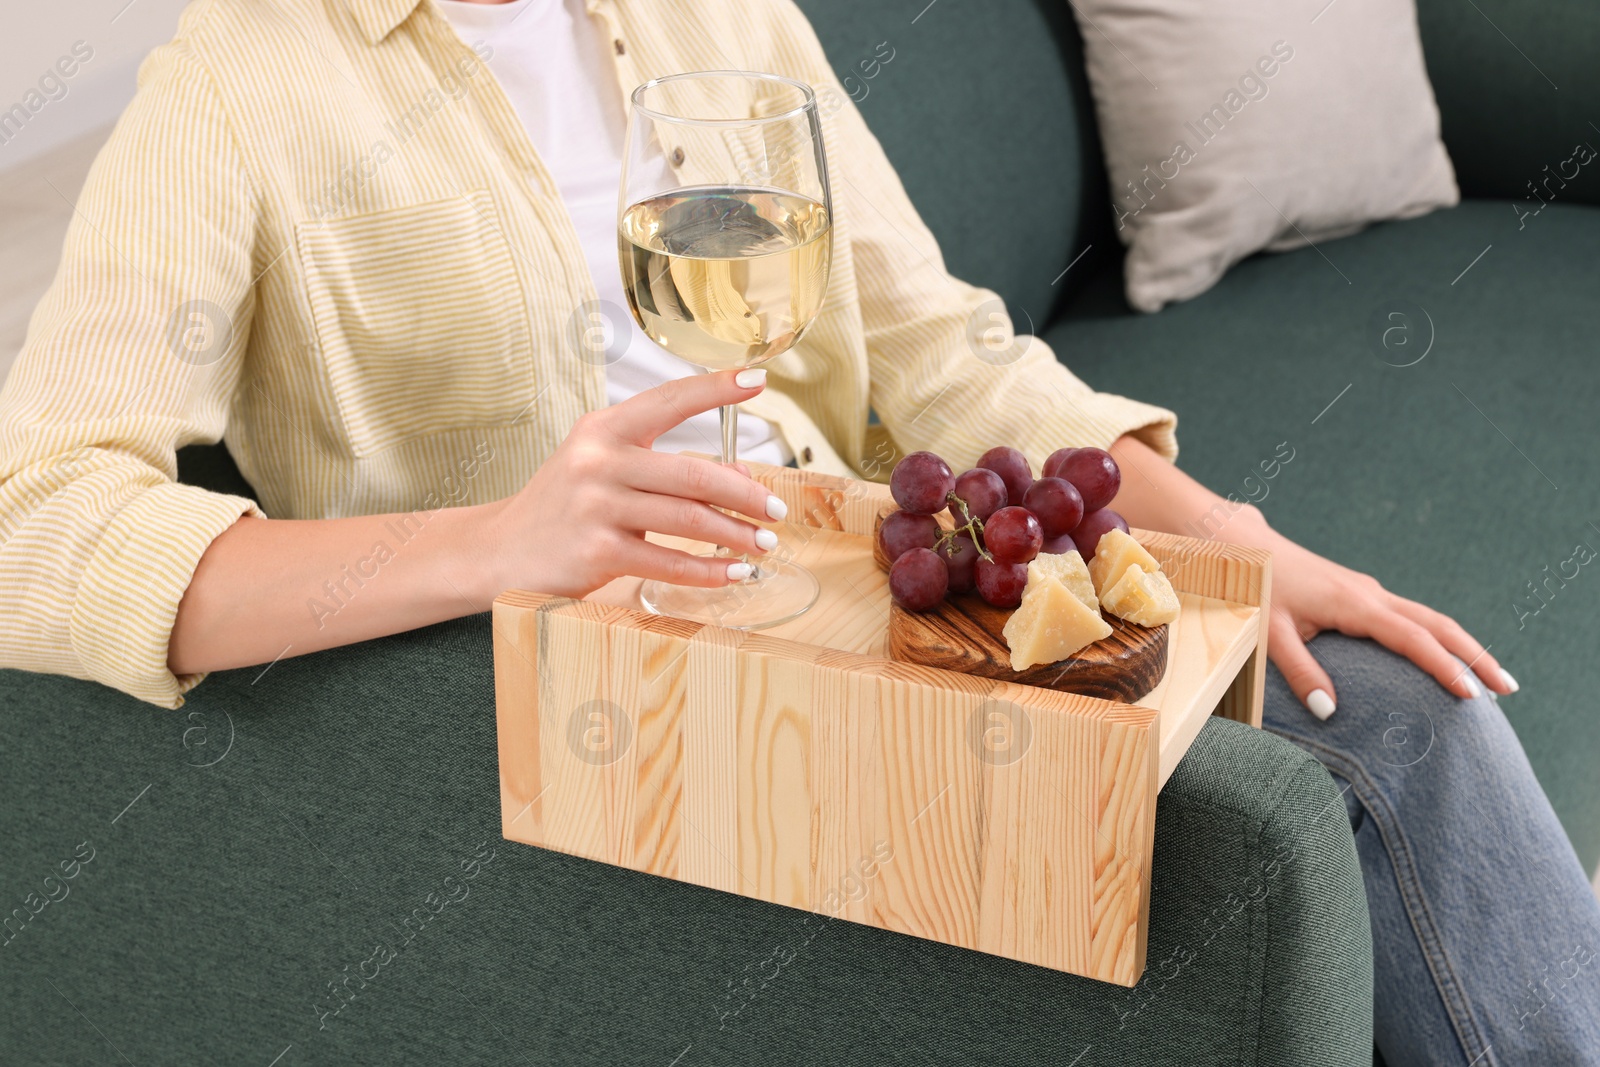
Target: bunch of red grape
(1003, 518)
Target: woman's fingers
(703, 480)
(1457, 642)
(1416, 643)
(642, 559)
(695, 521)
(1300, 669)
(642, 418)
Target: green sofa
(304, 864)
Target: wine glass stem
(730, 443)
(730, 434)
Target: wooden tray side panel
(775, 791)
(1076, 883)
(1125, 840)
(586, 755)
(1224, 572)
(709, 804)
(824, 501)
(922, 808)
(846, 782)
(516, 698)
(659, 767)
(1039, 871)
(982, 814)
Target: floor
(35, 207)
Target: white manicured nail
(766, 540)
(776, 509)
(751, 379)
(1472, 686)
(1320, 703)
(1511, 683)
(738, 572)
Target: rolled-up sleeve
(947, 372)
(135, 351)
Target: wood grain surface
(964, 634)
(1216, 656)
(1234, 574)
(801, 766)
(992, 816)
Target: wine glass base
(777, 592)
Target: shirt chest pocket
(421, 320)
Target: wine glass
(725, 238)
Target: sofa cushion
(985, 113)
(327, 832)
(1456, 480)
(1261, 134)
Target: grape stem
(973, 528)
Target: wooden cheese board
(963, 634)
(1001, 817)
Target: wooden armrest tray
(801, 766)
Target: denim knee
(1394, 722)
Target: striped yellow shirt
(320, 230)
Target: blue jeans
(1485, 930)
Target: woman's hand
(581, 519)
(1311, 594)
(266, 589)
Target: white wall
(120, 34)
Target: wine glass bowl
(725, 242)
(725, 277)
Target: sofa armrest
(1518, 88)
(312, 855)
(1309, 940)
(1259, 930)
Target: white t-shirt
(555, 70)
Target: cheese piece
(1068, 569)
(1050, 624)
(1113, 555)
(1142, 597)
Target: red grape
(1096, 523)
(920, 483)
(1094, 473)
(1012, 535)
(1058, 546)
(1012, 467)
(918, 579)
(1057, 505)
(984, 493)
(1053, 462)
(959, 554)
(1000, 584)
(902, 531)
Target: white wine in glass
(725, 239)
(723, 276)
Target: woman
(330, 230)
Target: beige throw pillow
(1232, 126)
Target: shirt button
(677, 157)
(805, 454)
(621, 48)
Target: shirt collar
(377, 18)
